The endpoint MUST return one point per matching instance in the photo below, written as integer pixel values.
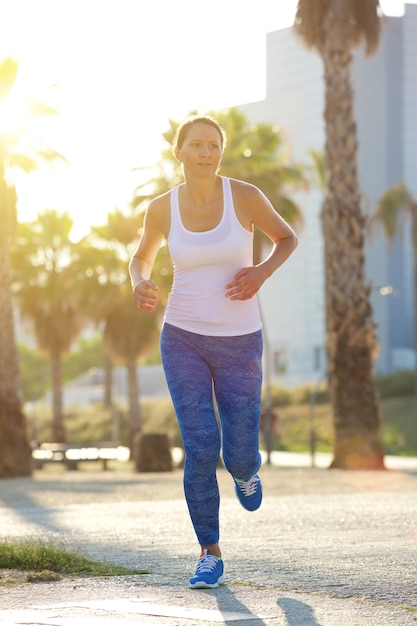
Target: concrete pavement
(327, 548)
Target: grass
(399, 432)
(35, 560)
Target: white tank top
(204, 263)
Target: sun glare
(114, 101)
(392, 7)
(12, 116)
(15, 110)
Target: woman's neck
(201, 193)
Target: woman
(211, 340)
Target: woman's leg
(190, 384)
(238, 385)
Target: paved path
(327, 548)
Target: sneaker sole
(203, 585)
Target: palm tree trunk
(15, 450)
(108, 381)
(135, 420)
(58, 427)
(350, 328)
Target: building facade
(385, 89)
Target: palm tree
(49, 295)
(15, 451)
(17, 150)
(128, 333)
(255, 153)
(334, 28)
(395, 207)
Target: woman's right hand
(144, 295)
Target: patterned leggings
(196, 366)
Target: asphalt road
(327, 548)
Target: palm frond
(366, 23)
(23, 161)
(356, 21)
(309, 21)
(319, 173)
(36, 108)
(8, 73)
(48, 155)
(394, 206)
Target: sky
(117, 71)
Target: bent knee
(243, 468)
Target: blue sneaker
(209, 573)
(249, 492)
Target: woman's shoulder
(244, 191)
(162, 200)
(248, 200)
(160, 204)
(159, 211)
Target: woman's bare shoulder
(158, 212)
(161, 202)
(244, 191)
(247, 197)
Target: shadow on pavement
(229, 606)
(297, 612)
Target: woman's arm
(143, 259)
(255, 210)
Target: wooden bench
(71, 455)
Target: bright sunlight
(122, 69)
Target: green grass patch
(46, 560)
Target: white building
(385, 109)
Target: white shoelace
(206, 563)
(248, 487)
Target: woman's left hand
(245, 284)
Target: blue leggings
(196, 366)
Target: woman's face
(201, 151)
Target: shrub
(400, 383)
